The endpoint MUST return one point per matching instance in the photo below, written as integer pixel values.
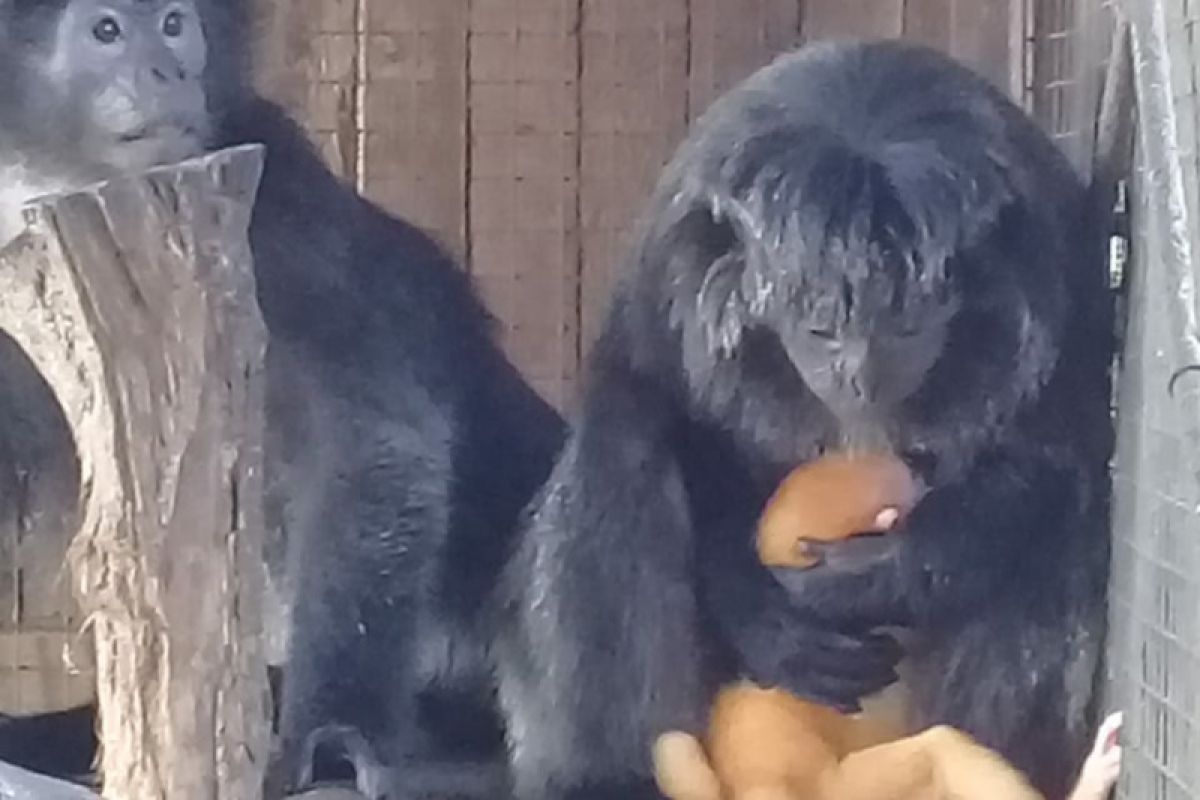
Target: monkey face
(845, 277)
(862, 358)
(116, 84)
(861, 327)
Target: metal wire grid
(1051, 68)
(522, 180)
(1066, 49)
(1154, 637)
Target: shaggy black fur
(863, 245)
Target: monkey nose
(167, 73)
(857, 386)
(851, 370)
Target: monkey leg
(940, 763)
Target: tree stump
(136, 300)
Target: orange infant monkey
(768, 744)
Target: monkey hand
(789, 649)
(854, 585)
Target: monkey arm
(962, 544)
(597, 645)
(779, 643)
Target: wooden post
(136, 300)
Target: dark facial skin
(862, 369)
(103, 85)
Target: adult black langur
(864, 245)
(400, 443)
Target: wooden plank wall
(522, 210)
(526, 134)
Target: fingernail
(886, 519)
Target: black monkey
(400, 443)
(864, 245)
(60, 743)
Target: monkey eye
(172, 25)
(107, 31)
(824, 334)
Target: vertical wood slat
(307, 62)
(1055, 75)
(929, 22)
(979, 38)
(634, 110)
(523, 187)
(976, 32)
(866, 19)
(46, 670)
(731, 40)
(414, 114)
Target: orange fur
(767, 744)
(833, 498)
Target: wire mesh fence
(1153, 669)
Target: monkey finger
(837, 690)
(885, 646)
(828, 667)
(886, 519)
(842, 600)
(850, 666)
(868, 648)
(819, 686)
(855, 555)
(808, 676)
(863, 648)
